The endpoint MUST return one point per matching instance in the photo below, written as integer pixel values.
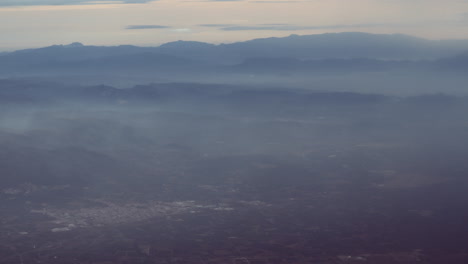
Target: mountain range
(309, 52)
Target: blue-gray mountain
(340, 51)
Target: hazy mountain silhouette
(347, 45)
(22, 91)
(459, 62)
(333, 51)
(290, 65)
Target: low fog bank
(86, 134)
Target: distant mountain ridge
(319, 46)
(308, 52)
(459, 62)
(27, 92)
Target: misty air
(222, 132)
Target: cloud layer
(284, 27)
(147, 27)
(4, 3)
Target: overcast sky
(35, 23)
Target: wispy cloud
(9, 3)
(276, 2)
(216, 25)
(288, 27)
(182, 30)
(147, 27)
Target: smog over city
(234, 132)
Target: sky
(38, 23)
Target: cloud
(176, 30)
(463, 17)
(182, 30)
(288, 27)
(9, 3)
(146, 27)
(264, 27)
(276, 2)
(216, 25)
